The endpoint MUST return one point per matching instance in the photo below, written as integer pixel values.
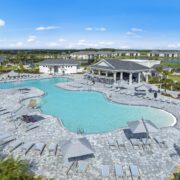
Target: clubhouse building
(113, 70)
(59, 66)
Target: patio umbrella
(12, 74)
(25, 111)
(142, 126)
(77, 149)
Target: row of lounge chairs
(151, 98)
(4, 111)
(19, 77)
(80, 166)
(140, 143)
(26, 146)
(119, 172)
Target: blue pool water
(90, 111)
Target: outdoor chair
(111, 143)
(15, 145)
(7, 140)
(105, 171)
(82, 166)
(39, 147)
(120, 143)
(52, 148)
(134, 171)
(118, 170)
(136, 142)
(27, 146)
(160, 142)
(4, 136)
(31, 127)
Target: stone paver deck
(154, 162)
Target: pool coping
(60, 122)
(175, 118)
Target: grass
(174, 77)
(174, 65)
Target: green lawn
(174, 77)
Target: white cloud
(102, 29)
(32, 39)
(88, 28)
(62, 40)
(129, 33)
(124, 47)
(53, 44)
(108, 43)
(174, 46)
(44, 28)
(2, 23)
(17, 44)
(136, 30)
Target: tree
(15, 169)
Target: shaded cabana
(142, 127)
(25, 111)
(12, 74)
(77, 149)
(146, 88)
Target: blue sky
(59, 24)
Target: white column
(130, 78)
(106, 74)
(146, 78)
(139, 78)
(114, 75)
(121, 75)
(99, 72)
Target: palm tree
(15, 169)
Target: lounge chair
(68, 165)
(7, 140)
(82, 166)
(118, 170)
(146, 141)
(120, 143)
(112, 143)
(39, 147)
(134, 171)
(4, 113)
(52, 148)
(160, 141)
(4, 136)
(105, 171)
(31, 127)
(136, 142)
(27, 146)
(15, 145)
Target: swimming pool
(89, 111)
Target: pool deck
(154, 163)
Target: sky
(67, 24)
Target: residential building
(59, 66)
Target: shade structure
(142, 126)
(12, 74)
(76, 149)
(25, 111)
(146, 87)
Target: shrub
(15, 169)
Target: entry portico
(116, 70)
